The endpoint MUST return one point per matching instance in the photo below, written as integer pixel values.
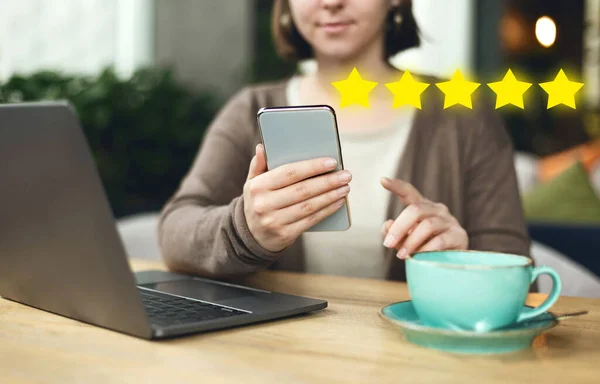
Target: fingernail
(330, 163)
(345, 176)
(343, 190)
(401, 253)
(340, 203)
(389, 240)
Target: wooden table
(347, 342)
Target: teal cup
(474, 291)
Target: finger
(292, 173)
(405, 191)
(258, 165)
(386, 227)
(422, 233)
(309, 207)
(409, 217)
(303, 225)
(252, 171)
(307, 189)
(443, 241)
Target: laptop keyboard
(172, 310)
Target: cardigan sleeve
(202, 228)
(494, 214)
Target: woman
(429, 179)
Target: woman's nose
(333, 4)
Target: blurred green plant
(144, 131)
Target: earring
(397, 18)
(285, 20)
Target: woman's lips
(334, 28)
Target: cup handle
(554, 294)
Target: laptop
(60, 250)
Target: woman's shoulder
(263, 94)
(238, 113)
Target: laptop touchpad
(201, 290)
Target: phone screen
(292, 134)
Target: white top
(368, 156)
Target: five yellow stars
(457, 91)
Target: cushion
(553, 165)
(567, 198)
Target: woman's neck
(370, 66)
(317, 88)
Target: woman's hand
(283, 203)
(423, 225)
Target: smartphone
(291, 134)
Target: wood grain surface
(347, 342)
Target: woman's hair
(291, 45)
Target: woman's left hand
(423, 225)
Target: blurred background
(147, 77)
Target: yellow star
(407, 91)
(457, 90)
(509, 90)
(561, 90)
(354, 90)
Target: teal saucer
(513, 339)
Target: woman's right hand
(283, 203)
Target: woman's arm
(202, 228)
(494, 217)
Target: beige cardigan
(462, 158)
